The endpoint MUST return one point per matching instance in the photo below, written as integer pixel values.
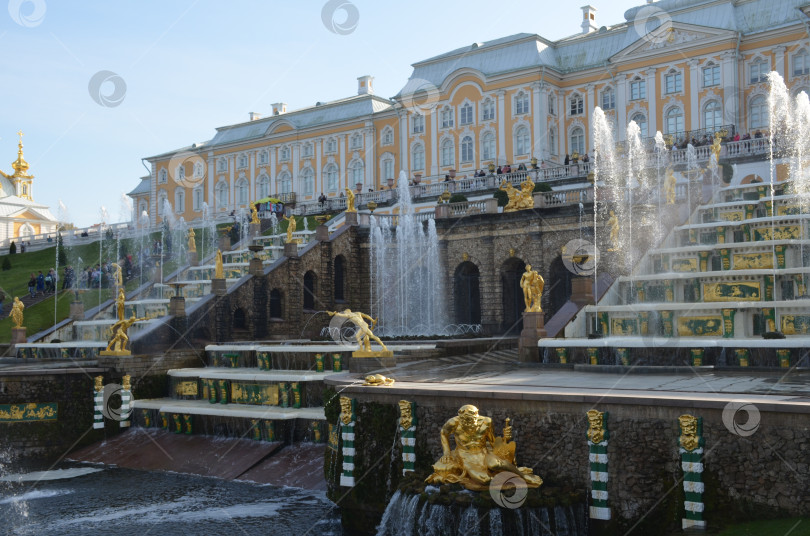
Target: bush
(458, 198)
(502, 197)
(6, 264)
(12, 249)
(542, 187)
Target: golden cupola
(20, 165)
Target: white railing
(564, 197)
(467, 208)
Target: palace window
(801, 63)
(163, 176)
(222, 165)
(522, 141)
(673, 82)
(712, 115)
(758, 113)
(308, 178)
(285, 153)
(576, 105)
(488, 110)
(488, 146)
(197, 198)
(356, 170)
(552, 141)
(467, 149)
(418, 124)
(286, 182)
(331, 145)
(521, 103)
(466, 114)
(199, 170)
(180, 174)
(552, 104)
(638, 89)
(308, 150)
(331, 174)
(243, 161)
(162, 201)
(222, 195)
(759, 71)
(418, 157)
(711, 75)
(242, 191)
(263, 186)
(577, 141)
(448, 153)
(179, 201)
(263, 159)
(608, 99)
(388, 169)
(641, 121)
(388, 136)
(356, 141)
(447, 119)
(674, 121)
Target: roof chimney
(588, 19)
(279, 108)
(365, 85)
(254, 116)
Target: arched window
(552, 141)
(521, 103)
(356, 172)
(448, 152)
(330, 173)
(222, 194)
(308, 179)
(467, 149)
(712, 115)
(143, 212)
(242, 192)
(522, 141)
(285, 181)
(488, 146)
(309, 290)
(418, 157)
(276, 309)
(467, 294)
(340, 278)
(417, 124)
(608, 99)
(758, 113)
(179, 200)
(576, 104)
(801, 63)
(674, 121)
(180, 173)
(163, 176)
(263, 186)
(577, 144)
(466, 114)
(641, 121)
(387, 167)
(199, 170)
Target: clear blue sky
(191, 66)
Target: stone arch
(467, 294)
(276, 303)
(558, 287)
(339, 288)
(310, 288)
(512, 304)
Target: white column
(694, 103)
(562, 135)
(434, 141)
(541, 116)
(779, 60)
(621, 107)
(370, 146)
(728, 68)
(591, 103)
(537, 113)
(274, 188)
(231, 175)
(404, 154)
(296, 157)
(153, 196)
(652, 101)
(501, 127)
(344, 181)
(252, 194)
(319, 186)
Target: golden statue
(596, 428)
(689, 432)
(118, 344)
(98, 384)
(117, 275)
(254, 214)
(526, 199)
(291, 225)
(514, 196)
(405, 414)
(363, 333)
(532, 284)
(219, 269)
(478, 455)
(125, 382)
(350, 201)
(613, 225)
(119, 304)
(378, 380)
(192, 244)
(16, 312)
(669, 186)
(345, 409)
(716, 147)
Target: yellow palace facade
(682, 67)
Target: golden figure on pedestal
(405, 414)
(345, 409)
(119, 304)
(254, 214)
(532, 284)
(118, 343)
(478, 455)
(192, 244)
(689, 432)
(518, 199)
(717, 147)
(596, 428)
(219, 269)
(514, 196)
(364, 335)
(118, 278)
(291, 226)
(16, 312)
(669, 186)
(350, 201)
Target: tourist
(500, 170)
(586, 158)
(41, 283)
(322, 200)
(49, 281)
(507, 168)
(32, 285)
(3, 296)
(522, 167)
(567, 160)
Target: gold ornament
(478, 455)
(291, 225)
(364, 335)
(532, 284)
(219, 269)
(118, 343)
(405, 415)
(99, 384)
(377, 380)
(345, 410)
(350, 201)
(689, 439)
(16, 312)
(192, 245)
(125, 383)
(596, 429)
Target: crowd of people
(42, 284)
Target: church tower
(21, 180)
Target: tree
(12, 249)
(6, 263)
(61, 256)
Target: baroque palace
(687, 68)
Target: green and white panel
(98, 407)
(598, 460)
(408, 438)
(347, 434)
(692, 465)
(126, 408)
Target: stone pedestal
(533, 331)
(363, 362)
(193, 259)
(582, 290)
(77, 310)
(255, 229)
(322, 233)
(177, 305)
(351, 218)
(255, 267)
(291, 250)
(225, 243)
(18, 336)
(219, 287)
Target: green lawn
(794, 526)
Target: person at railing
(507, 168)
(499, 172)
(567, 160)
(521, 167)
(736, 137)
